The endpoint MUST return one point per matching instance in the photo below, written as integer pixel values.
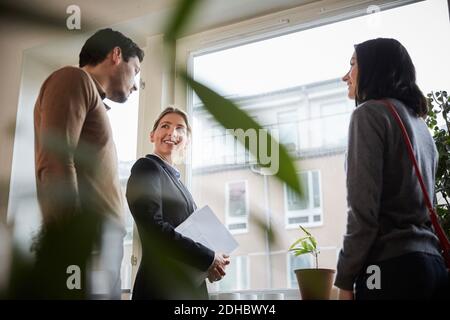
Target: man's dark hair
(102, 42)
(385, 70)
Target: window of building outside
(237, 206)
(292, 82)
(306, 209)
(124, 122)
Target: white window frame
(235, 220)
(310, 212)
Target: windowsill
(288, 293)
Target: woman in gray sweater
(390, 250)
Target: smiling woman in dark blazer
(159, 202)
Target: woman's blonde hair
(172, 109)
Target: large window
(289, 79)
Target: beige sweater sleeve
(60, 112)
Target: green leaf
(300, 252)
(309, 247)
(304, 244)
(296, 242)
(314, 242)
(440, 108)
(305, 231)
(262, 225)
(230, 116)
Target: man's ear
(152, 139)
(116, 55)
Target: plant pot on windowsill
(314, 283)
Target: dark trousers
(411, 276)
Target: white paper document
(204, 227)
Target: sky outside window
(324, 52)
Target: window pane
(237, 199)
(306, 209)
(298, 220)
(295, 202)
(237, 226)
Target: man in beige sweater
(75, 156)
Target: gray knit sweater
(387, 216)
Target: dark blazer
(159, 202)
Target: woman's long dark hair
(385, 70)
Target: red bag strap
(445, 243)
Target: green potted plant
(438, 121)
(314, 283)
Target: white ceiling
(139, 19)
